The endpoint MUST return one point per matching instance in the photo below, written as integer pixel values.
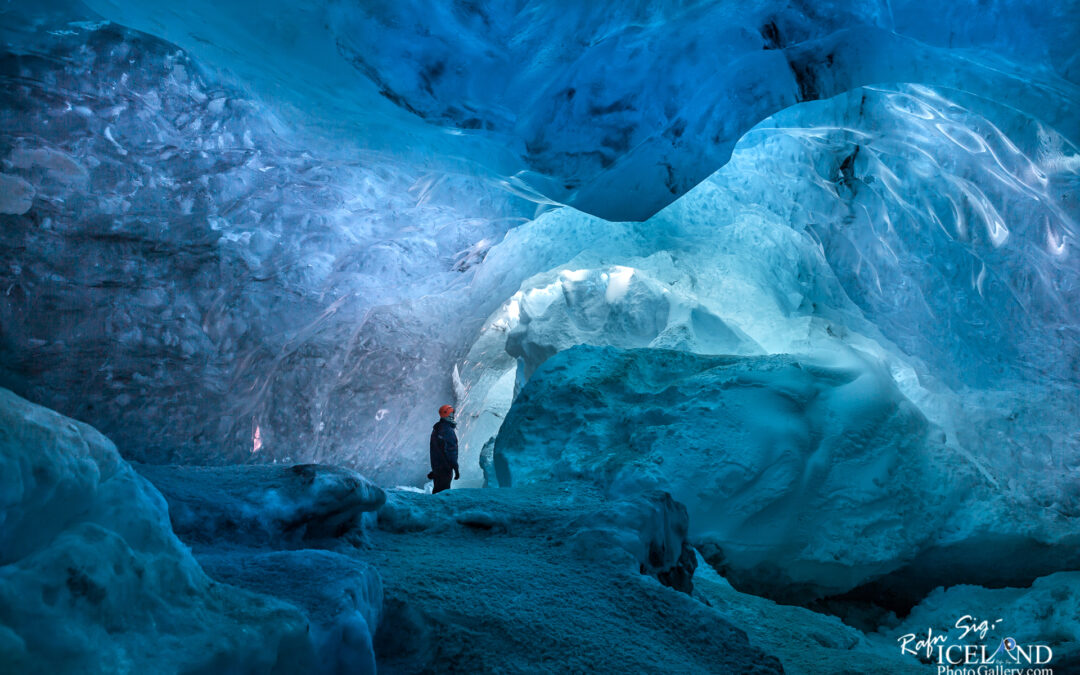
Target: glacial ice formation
(804, 477)
(223, 256)
(267, 237)
(974, 335)
(201, 268)
(92, 578)
(815, 471)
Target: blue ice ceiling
(321, 220)
(582, 103)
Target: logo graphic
(969, 652)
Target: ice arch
(820, 234)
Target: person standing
(444, 451)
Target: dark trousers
(442, 482)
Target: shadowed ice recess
(811, 269)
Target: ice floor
(310, 568)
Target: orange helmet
(446, 411)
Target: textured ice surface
(973, 276)
(685, 280)
(810, 476)
(589, 103)
(92, 579)
(195, 275)
(806, 642)
(341, 596)
(546, 577)
(1046, 613)
(803, 248)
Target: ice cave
(745, 334)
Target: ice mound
(804, 473)
(745, 287)
(92, 579)
(553, 578)
(341, 596)
(264, 504)
(650, 527)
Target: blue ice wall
(949, 227)
(183, 269)
(223, 218)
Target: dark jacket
(443, 447)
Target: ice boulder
(808, 474)
(92, 579)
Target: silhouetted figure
(444, 466)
